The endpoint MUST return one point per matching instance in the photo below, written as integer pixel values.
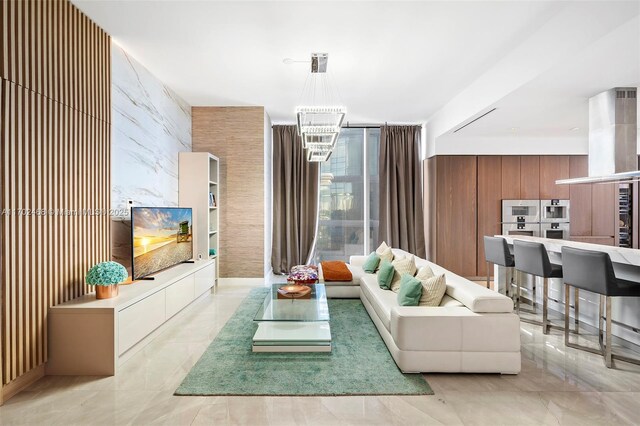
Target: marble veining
(151, 124)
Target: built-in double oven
(536, 218)
(554, 222)
(521, 217)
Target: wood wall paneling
(580, 198)
(606, 241)
(236, 136)
(530, 177)
(552, 168)
(55, 155)
(456, 214)
(489, 204)
(603, 212)
(511, 177)
(430, 202)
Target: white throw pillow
(385, 253)
(433, 290)
(425, 273)
(401, 266)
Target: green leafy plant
(106, 273)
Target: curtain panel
(295, 200)
(401, 215)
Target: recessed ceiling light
(573, 129)
(287, 61)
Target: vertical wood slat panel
(55, 154)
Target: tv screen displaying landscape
(162, 237)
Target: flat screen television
(161, 238)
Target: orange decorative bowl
(294, 291)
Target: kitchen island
(626, 264)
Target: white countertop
(620, 255)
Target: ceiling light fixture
(320, 117)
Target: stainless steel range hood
(613, 138)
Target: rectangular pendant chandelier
(319, 125)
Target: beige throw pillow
(425, 273)
(385, 253)
(405, 265)
(433, 290)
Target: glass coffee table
(290, 324)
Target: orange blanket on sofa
(335, 270)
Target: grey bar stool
(532, 258)
(593, 271)
(496, 251)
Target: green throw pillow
(371, 264)
(385, 275)
(410, 291)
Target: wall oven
(519, 211)
(522, 229)
(554, 210)
(555, 230)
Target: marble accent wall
(151, 125)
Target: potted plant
(106, 276)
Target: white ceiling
(391, 61)
(556, 102)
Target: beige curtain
(295, 201)
(401, 218)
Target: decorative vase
(106, 291)
(106, 276)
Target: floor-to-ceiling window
(349, 196)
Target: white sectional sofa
(474, 330)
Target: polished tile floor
(556, 386)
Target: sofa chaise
(474, 330)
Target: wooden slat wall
(55, 155)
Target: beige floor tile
(557, 385)
(580, 408)
(500, 408)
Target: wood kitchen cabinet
(580, 198)
(603, 210)
(463, 202)
(593, 206)
(489, 204)
(510, 177)
(456, 213)
(530, 177)
(552, 168)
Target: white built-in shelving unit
(199, 177)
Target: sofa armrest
(357, 260)
(454, 329)
(440, 326)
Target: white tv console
(93, 337)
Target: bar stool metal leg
(488, 275)
(567, 308)
(600, 320)
(607, 345)
(518, 292)
(576, 309)
(509, 280)
(545, 306)
(534, 299)
(566, 314)
(604, 333)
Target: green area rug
(359, 363)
